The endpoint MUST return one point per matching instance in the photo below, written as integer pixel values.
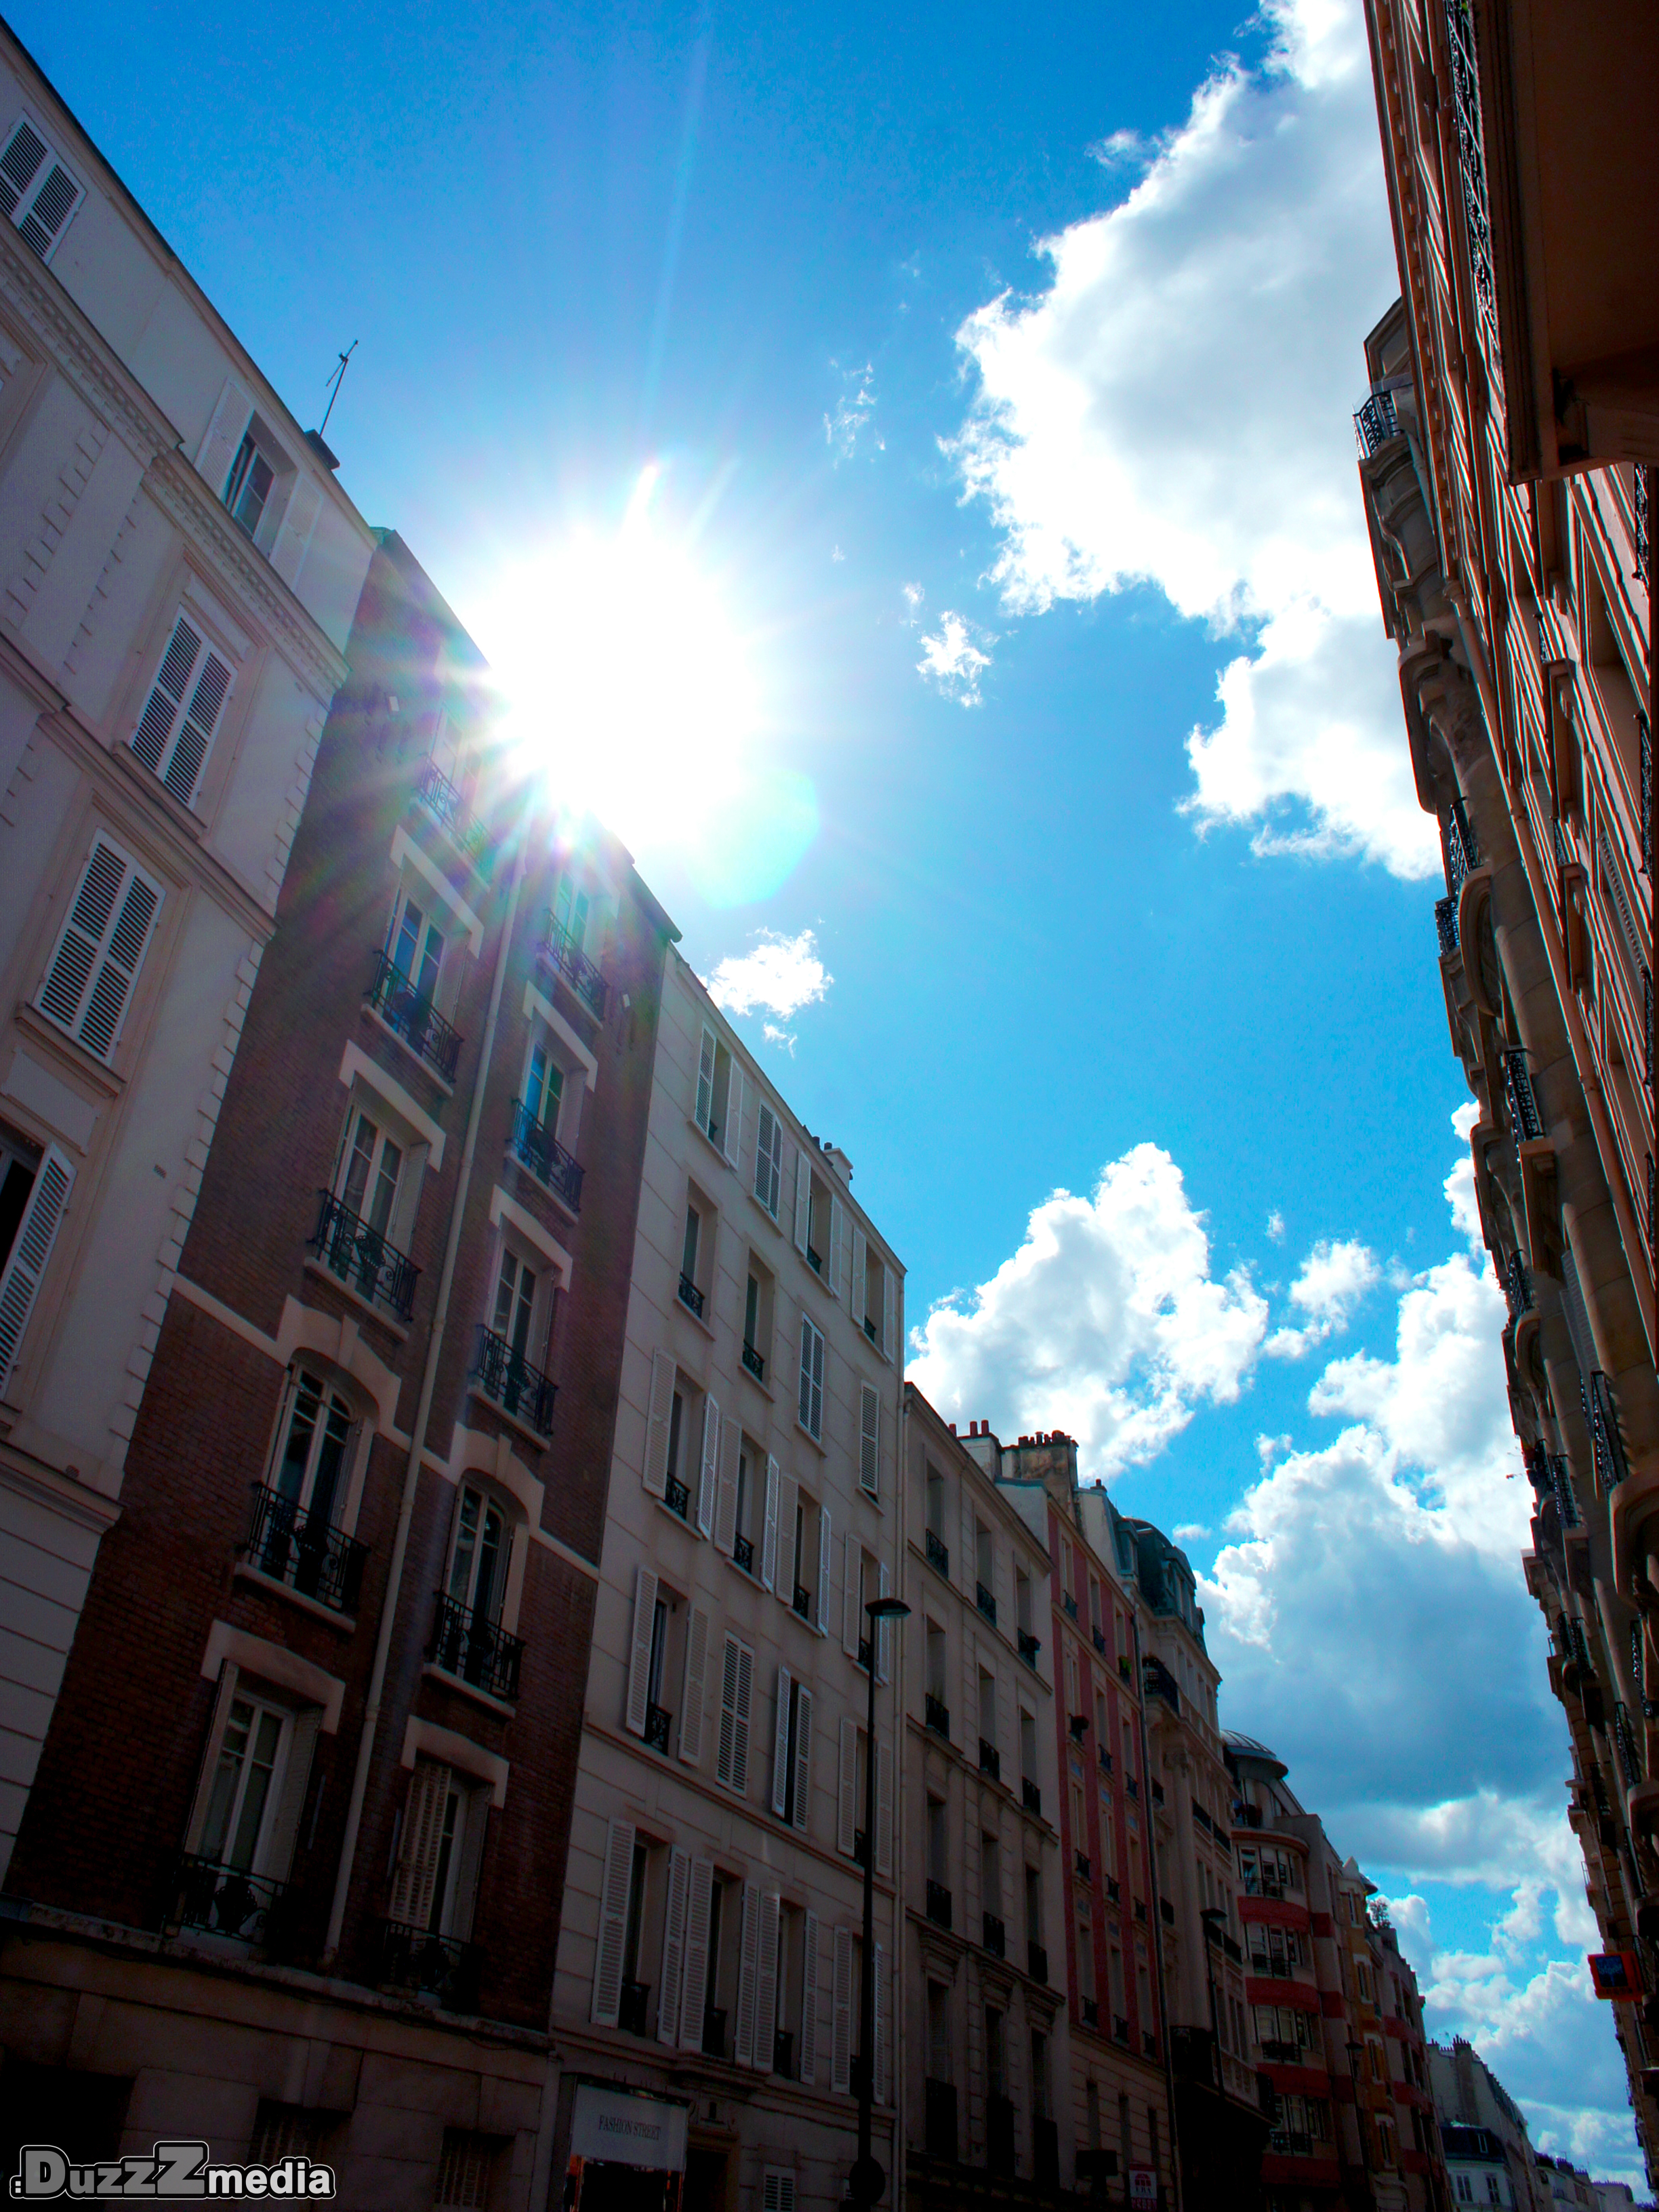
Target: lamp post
(866, 2181)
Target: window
(939, 2067)
(873, 1294)
(1033, 1905)
(417, 949)
(248, 486)
(811, 1406)
(990, 1874)
(183, 711)
(1028, 1746)
(792, 1754)
(481, 1548)
(996, 2059)
(33, 1187)
(769, 1160)
(1085, 1956)
(757, 1311)
(544, 1087)
(939, 1845)
(242, 1797)
(313, 1447)
(466, 2166)
(370, 1173)
(987, 1707)
(719, 1112)
(869, 1440)
(36, 191)
(97, 957)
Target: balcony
(1445, 924)
(359, 1257)
(1123, 1667)
(1045, 2153)
(990, 1761)
(1120, 2027)
(743, 1551)
(297, 1547)
(657, 1724)
(1290, 2143)
(1131, 1788)
(1376, 424)
(992, 1936)
(937, 1714)
(423, 1965)
(1158, 1791)
(754, 1363)
(1085, 1864)
(1037, 1961)
(1089, 2011)
(986, 1603)
(1030, 1646)
(999, 2134)
(1079, 1725)
(1031, 1795)
(939, 1904)
(801, 1601)
(631, 2007)
(226, 1900)
(1140, 1908)
(1097, 1636)
(1601, 1419)
(870, 1330)
(442, 801)
(560, 954)
(1161, 1683)
(866, 1654)
(1518, 1286)
(477, 1651)
(1105, 1757)
(536, 1148)
(1070, 1605)
(1281, 2054)
(677, 1497)
(939, 2121)
(1462, 853)
(691, 1296)
(938, 1556)
(814, 1260)
(1149, 2043)
(507, 1379)
(410, 1014)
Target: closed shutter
(699, 1913)
(889, 1314)
(836, 1217)
(778, 2190)
(748, 1972)
(803, 1757)
(841, 2015)
(654, 1474)
(883, 1809)
(36, 191)
(769, 1160)
(473, 1826)
(884, 1628)
(851, 1592)
(101, 949)
(732, 1133)
(725, 1505)
(883, 2087)
(708, 1475)
(821, 1618)
(766, 1984)
(304, 505)
(803, 1199)
(613, 1922)
(870, 1438)
(737, 1694)
(816, 1424)
(789, 1500)
(706, 1082)
(809, 1998)
(846, 1807)
(780, 1746)
(671, 1994)
(769, 1538)
(860, 1262)
(20, 1278)
(222, 438)
(416, 1877)
(638, 1663)
(694, 1685)
(182, 712)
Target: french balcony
(1084, 1864)
(990, 1759)
(224, 1901)
(1445, 925)
(1113, 1889)
(1290, 2143)
(999, 2134)
(1089, 2011)
(1030, 1794)
(1149, 2043)
(1037, 1961)
(300, 1548)
(753, 1361)
(1131, 1788)
(1123, 1667)
(939, 2119)
(743, 1551)
(1030, 1646)
(559, 953)
(870, 1330)
(986, 1603)
(1376, 424)
(657, 1724)
(359, 1257)
(1166, 1911)
(937, 1554)
(861, 1846)
(994, 1936)
(410, 1014)
(1105, 1757)
(1601, 1419)
(435, 792)
(866, 1654)
(1462, 853)
(939, 1904)
(1097, 1636)
(937, 1714)
(424, 1965)
(1161, 1683)
(474, 1650)
(677, 1497)
(814, 1260)
(783, 2053)
(1070, 1605)
(1158, 1791)
(691, 1296)
(536, 1147)
(801, 1601)
(507, 1379)
(1140, 1908)
(631, 2007)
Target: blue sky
(1067, 867)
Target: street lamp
(866, 2181)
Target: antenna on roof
(336, 379)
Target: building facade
(710, 1963)
(178, 570)
(1482, 2128)
(290, 1875)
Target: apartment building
(178, 570)
(1506, 456)
(710, 1966)
(1489, 2158)
(290, 1876)
(987, 2049)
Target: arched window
(300, 1532)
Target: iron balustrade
(753, 1361)
(993, 1936)
(743, 1551)
(1089, 2011)
(657, 1724)
(1158, 1791)
(1030, 1646)
(990, 1759)
(1291, 2143)
(360, 1257)
(1123, 1667)
(1526, 1123)
(1471, 155)
(1160, 1682)
(474, 1650)
(690, 1296)
(1535, 1460)
(1113, 1889)
(299, 1547)
(1140, 1908)
(1376, 423)
(937, 1714)
(1078, 1724)
(1036, 1959)
(865, 1654)
(631, 2007)
(939, 2119)
(1097, 1637)
(1131, 1785)
(559, 951)
(1279, 2053)
(803, 1601)
(537, 1149)
(814, 1260)
(1638, 1673)
(939, 1904)
(443, 802)
(1030, 1795)
(227, 1901)
(1445, 923)
(1517, 1285)
(1069, 1604)
(938, 1555)
(1105, 1757)
(1639, 519)
(870, 1330)
(410, 1014)
(1247, 1816)
(1566, 1501)
(1644, 733)
(1201, 1813)
(1601, 1419)
(414, 1960)
(986, 1603)
(677, 1497)
(1562, 842)
(506, 1378)
(1462, 853)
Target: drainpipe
(1157, 1916)
(418, 1432)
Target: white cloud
(843, 429)
(1174, 409)
(782, 1038)
(914, 595)
(780, 974)
(1276, 1226)
(1107, 1322)
(1329, 1284)
(954, 661)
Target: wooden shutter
(809, 1997)
(883, 1843)
(748, 1972)
(841, 2015)
(766, 1984)
(706, 1081)
(744, 1702)
(860, 1261)
(820, 1617)
(222, 440)
(36, 191)
(304, 505)
(615, 1883)
(736, 1692)
(889, 1315)
(884, 1628)
(733, 1132)
(417, 1854)
(664, 1374)
(725, 1503)
(803, 1757)
(37, 1232)
(770, 1539)
(870, 1439)
(639, 1663)
(851, 1625)
(694, 1686)
(768, 1159)
(277, 1857)
(780, 1746)
(837, 1215)
(708, 1473)
(778, 2190)
(816, 1423)
(699, 1913)
(463, 1890)
(672, 1991)
(803, 1199)
(847, 1812)
(789, 1498)
(182, 715)
(883, 2087)
(101, 948)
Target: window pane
(233, 1751)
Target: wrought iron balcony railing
(677, 1497)
(743, 1551)
(658, 1723)
(1525, 1120)
(1462, 853)
(986, 1603)
(1069, 1603)
(1030, 1795)
(410, 1014)
(802, 1601)
(506, 1378)
(866, 1654)
(939, 1904)
(1130, 1785)
(430, 1966)
(298, 1548)
(753, 1361)
(631, 2007)
(477, 1651)
(1445, 923)
(1160, 1682)
(938, 1555)
(559, 952)
(1120, 2027)
(536, 1148)
(937, 1714)
(1517, 1285)
(1601, 1419)
(1097, 1637)
(1376, 423)
(1113, 1889)
(1561, 1489)
(1471, 155)
(1030, 1646)
(1084, 1864)
(443, 802)
(691, 1297)
(1105, 1757)
(360, 1257)
(226, 1900)
(990, 1759)
(995, 1936)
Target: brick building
(290, 1875)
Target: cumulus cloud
(954, 661)
(1106, 1322)
(1173, 410)
(1330, 1284)
(845, 425)
(778, 975)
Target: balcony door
(543, 1089)
(515, 1303)
(315, 1448)
(417, 952)
(374, 1166)
(477, 1565)
(243, 1796)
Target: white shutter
(803, 1199)
(613, 1922)
(889, 1317)
(884, 1628)
(709, 1475)
(809, 1998)
(840, 2017)
(766, 1984)
(837, 1215)
(769, 1160)
(182, 712)
(223, 438)
(699, 1913)
(851, 1625)
(732, 1133)
(816, 1424)
(821, 1619)
(672, 1993)
(726, 1504)
(737, 1693)
(744, 1702)
(870, 1438)
(37, 1231)
(101, 949)
(860, 1260)
(847, 1809)
(803, 1757)
(781, 1746)
(883, 1809)
(293, 540)
(706, 1082)
(36, 191)
(778, 2190)
(693, 1686)
(639, 1663)
(769, 1540)
(417, 1876)
(883, 2087)
(748, 1972)
(789, 1498)
(654, 1474)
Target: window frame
(809, 1403)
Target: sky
(900, 464)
